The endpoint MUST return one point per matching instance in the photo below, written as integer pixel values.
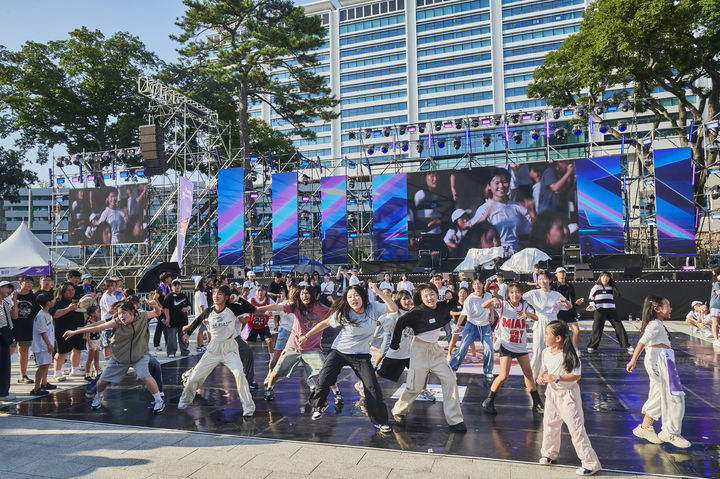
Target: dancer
(426, 320)
(513, 314)
(283, 325)
(477, 327)
(259, 321)
(306, 312)
(666, 398)
(569, 316)
(93, 343)
(222, 348)
(457, 328)
(602, 301)
(563, 403)
(129, 344)
(356, 318)
(715, 304)
(546, 303)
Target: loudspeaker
(152, 149)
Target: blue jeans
(470, 334)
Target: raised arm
(389, 303)
(99, 326)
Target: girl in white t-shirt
(563, 404)
(513, 314)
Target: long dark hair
(297, 302)
(611, 283)
(648, 311)
(570, 357)
(60, 292)
(342, 307)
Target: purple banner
(231, 216)
(184, 211)
(334, 219)
(285, 242)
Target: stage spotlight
(254, 195)
(580, 111)
(60, 161)
(448, 124)
(526, 117)
(556, 113)
(514, 118)
(377, 132)
(577, 130)
(457, 142)
(60, 181)
(370, 150)
(487, 139)
(560, 134)
(622, 125)
(420, 146)
(497, 120)
(534, 134)
(600, 108)
(386, 131)
(351, 184)
(421, 127)
(438, 125)
(411, 128)
(402, 129)
(715, 192)
(253, 176)
(305, 162)
(404, 146)
(140, 173)
(305, 198)
(384, 149)
(254, 157)
(305, 180)
(624, 106)
(486, 121)
(91, 177)
(537, 116)
(368, 133)
(351, 135)
(568, 112)
(351, 165)
(458, 124)
(517, 136)
(603, 128)
(351, 216)
(108, 176)
(612, 108)
(124, 174)
(475, 122)
(441, 143)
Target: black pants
(160, 330)
(360, 364)
(607, 314)
(246, 356)
(4, 369)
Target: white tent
(524, 261)
(24, 254)
(480, 257)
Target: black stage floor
(612, 402)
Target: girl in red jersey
(513, 314)
(259, 320)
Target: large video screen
(519, 206)
(108, 215)
(674, 204)
(390, 217)
(231, 216)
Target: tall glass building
(408, 62)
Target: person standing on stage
(569, 316)
(162, 290)
(477, 327)
(602, 302)
(546, 303)
(357, 320)
(176, 306)
(714, 304)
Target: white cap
(94, 216)
(197, 281)
(7, 283)
(560, 269)
(251, 273)
(86, 276)
(459, 212)
(695, 303)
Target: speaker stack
(152, 149)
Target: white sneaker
(590, 350)
(97, 401)
(158, 406)
(546, 461)
(59, 377)
(675, 439)
(716, 343)
(427, 395)
(630, 350)
(9, 397)
(489, 377)
(581, 471)
(648, 434)
(76, 373)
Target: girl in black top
(427, 320)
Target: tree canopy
(79, 93)
(636, 48)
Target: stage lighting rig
(404, 146)
(560, 134)
(421, 127)
(577, 130)
(351, 135)
(497, 120)
(402, 129)
(368, 133)
(535, 134)
(420, 146)
(517, 136)
(487, 139)
(458, 124)
(556, 113)
(386, 131)
(384, 148)
(514, 118)
(457, 142)
(600, 108)
(622, 126)
(475, 122)
(438, 125)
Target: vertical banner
(231, 216)
(674, 204)
(600, 205)
(333, 202)
(285, 218)
(390, 217)
(184, 211)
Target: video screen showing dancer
(518, 206)
(108, 215)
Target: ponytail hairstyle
(570, 357)
(715, 273)
(648, 311)
(342, 307)
(398, 297)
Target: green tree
(14, 176)
(642, 45)
(79, 93)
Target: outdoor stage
(612, 401)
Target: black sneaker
(25, 380)
(459, 427)
(269, 395)
(383, 428)
(339, 401)
(253, 385)
(48, 386)
(317, 412)
(489, 407)
(39, 392)
(538, 408)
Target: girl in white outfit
(563, 404)
(547, 304)
(222, 348)
(666, 398)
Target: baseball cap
(459, 212)
(560, 269)
(176, 281)
(493, 285)
(695, 303)
(86, 276)
(7, 283)
(251, 273)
